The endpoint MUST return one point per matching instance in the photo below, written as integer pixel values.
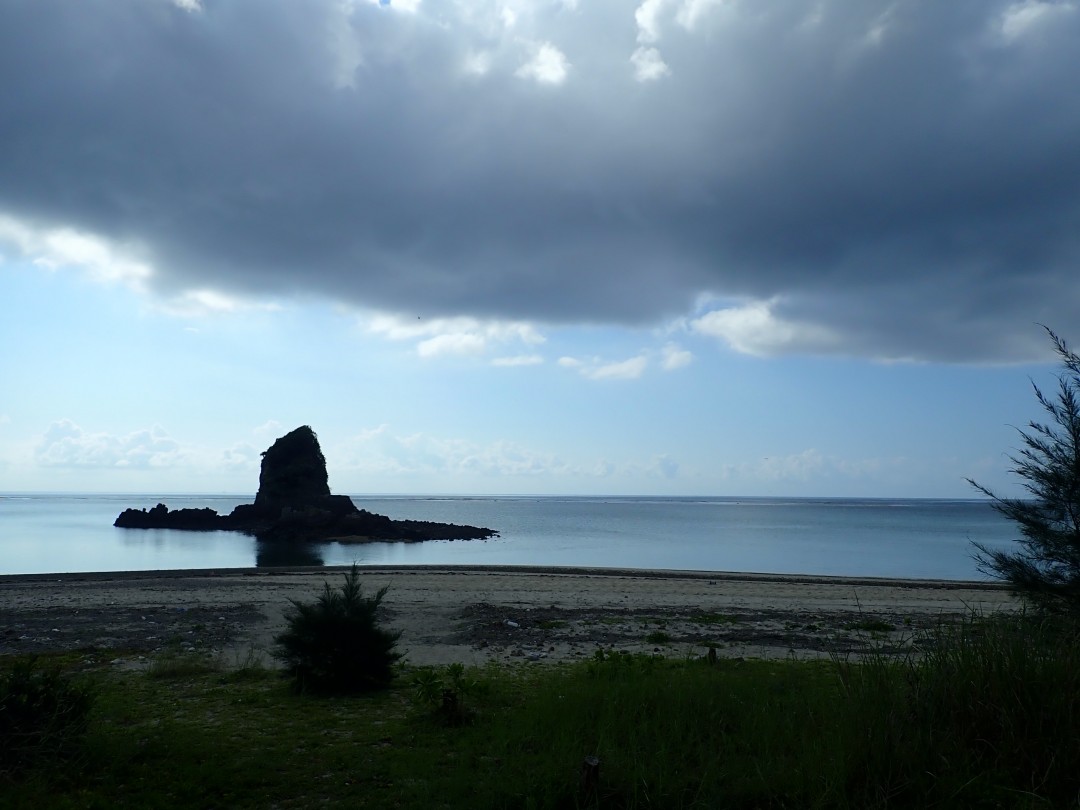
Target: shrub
(1046, 571)
(444, 693)
(334, 645)
(42, 714)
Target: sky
(586, 247)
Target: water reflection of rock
(271, 553)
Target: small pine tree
(334, 644)
(1046, 570)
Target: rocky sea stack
(294, 503)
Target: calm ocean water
(887, 538)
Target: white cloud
(1021, 18)
(52, 248)
(800, 466)
(188, 5)
(518, 360)
(877, 30)
(106, 262)
(595, 369)
(625, 370)
(478, 63)
(342, 44)
(271, 428)
(754, 329)
(404, 6)
(693, 11)
(196, 303)
(604, 469)
(665, 467)
(821, 471)
(549, 65)
(649, 65)
(241, 457)
(453, 336)
(379, 451)
(65, 444)
(487, 198)
(454, 343)
(674, 356)
(647, 18)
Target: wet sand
(480, 614)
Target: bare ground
(479, 615)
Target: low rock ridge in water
(294, 503)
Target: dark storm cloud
(905, 175)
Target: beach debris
(510, 623)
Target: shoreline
(543, 570)
(478, 614)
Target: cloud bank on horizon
(891, 180)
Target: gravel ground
(478, 615)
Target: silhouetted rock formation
(293, 473)
(192, 520)
(294, 504)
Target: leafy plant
(444, 692)
(335, 645)
(1046, 571)
(42, 714)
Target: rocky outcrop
(294, 503)
(293, 473)
(192, 520)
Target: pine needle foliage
(1046, 569)
(335, 645)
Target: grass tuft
(43, 714)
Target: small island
(294, 503)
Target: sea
(894, 538)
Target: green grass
(982, 715)
(712, 618)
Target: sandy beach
(476, 615)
